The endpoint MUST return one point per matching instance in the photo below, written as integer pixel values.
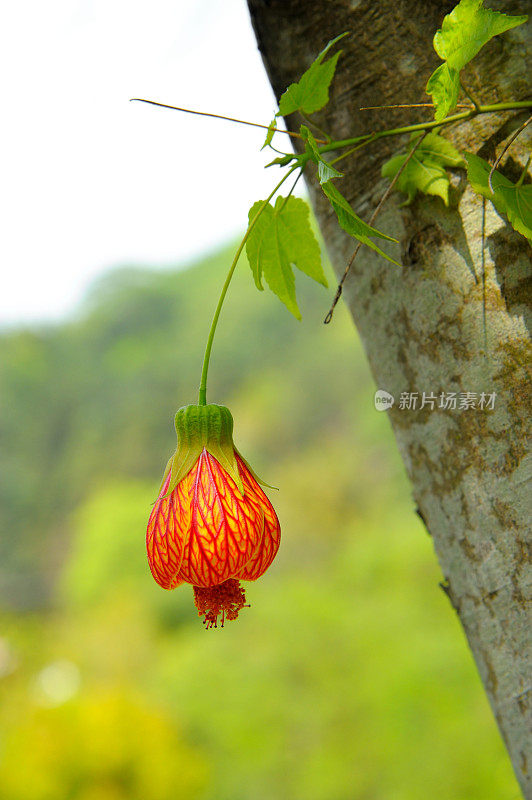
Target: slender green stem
(353, 149)
(202, 399)
(287, 198)
(524, 173)
(426, 126)
(420, 126)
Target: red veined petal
(226, 528)
(269, 546)
(165, 537)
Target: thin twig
(374, 216)
(221, 116)
(506, 147)
(483, 263)
(406, 105)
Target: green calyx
(208, 427)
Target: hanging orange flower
(212, 524)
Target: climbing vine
(279, 236)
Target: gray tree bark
(422, 325)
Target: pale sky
(89, 180)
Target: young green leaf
(352, 224)
(282, 161)
(444, 87)
(280, 239)
(467, 29)
(425, 171)
(271, 131)
(325, 170)
(311, 92)
(463, 33)
(512, 199)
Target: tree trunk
(441, 323)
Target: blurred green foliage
(348, 678)
(103, 747)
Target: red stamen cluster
(227, 599)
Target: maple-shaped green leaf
(325, 170)
(444, 88)
(467, 29)
(352, 224)
(478, 172)
(464, 31)
(511, 199)
(311, 91)
(269, 134)
(281, 239)
(438, 148)
(425, 172)
(428, 177)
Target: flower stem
(202, 399)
